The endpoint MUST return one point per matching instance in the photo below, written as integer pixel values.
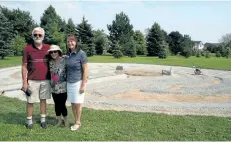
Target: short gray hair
(38, 29)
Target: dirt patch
(139, 72)
(136, 95)
(217, 81)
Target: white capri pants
(73, 95)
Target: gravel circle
(106, 89)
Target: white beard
(37, 40)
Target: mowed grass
(111, 125)
(208, 63)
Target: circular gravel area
(142, 88)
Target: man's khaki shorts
(40, 89)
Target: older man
(35, 75)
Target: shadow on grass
(20, 118)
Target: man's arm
(24, 70)
(24, 76)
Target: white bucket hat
(54, 48)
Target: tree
(187, 45)
(117, 51)
(163, 50)
(140, 43)
(6, 30)
(21, 21)
(120, 31)
(18, 44)
(129, 48)
(213, 48)
(175, 42)
(47, 20)
(207, 54)
(63, 26)
(221, 49)
(58, 37)
(85, 36)
(83, 46)
(70, 27)
(227, 52)
(198, 54)
(218, 54)
(226, 39)
(166, 37)
(100, 41)
(154, 40)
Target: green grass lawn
(111, 125)
(210, 63)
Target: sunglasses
(37, 35)
(51, 52)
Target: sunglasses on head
(37, 35)
(51, 52)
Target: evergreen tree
(187, 45)
(21, 21)
(100, 42)
(155, 40)
(70, 27)
(17, 45)
(129, 48)
(117, 51)
(140, 43)
(85, 36)
(120, 31)
(58, 37)
(175, 42)
(47, 20)
(163, 53)
(6, 30)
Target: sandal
(75, 127)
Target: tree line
(123, 40)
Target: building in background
(198, 45)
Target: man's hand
(82, 89)
(25, 86)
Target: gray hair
(38, 29)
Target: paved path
(180, 94)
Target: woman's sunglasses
(37, 35)
(51, 52)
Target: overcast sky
(206, 21)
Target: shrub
(207, 54)
(218, 54)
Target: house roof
(197, 41)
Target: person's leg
(64, 108)
(58, 109)
(78, 112)
(45, 93)
(74, 110)
(79, 100)
(43, 108)
(77, 116)
(29, 115)
(30, 100)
